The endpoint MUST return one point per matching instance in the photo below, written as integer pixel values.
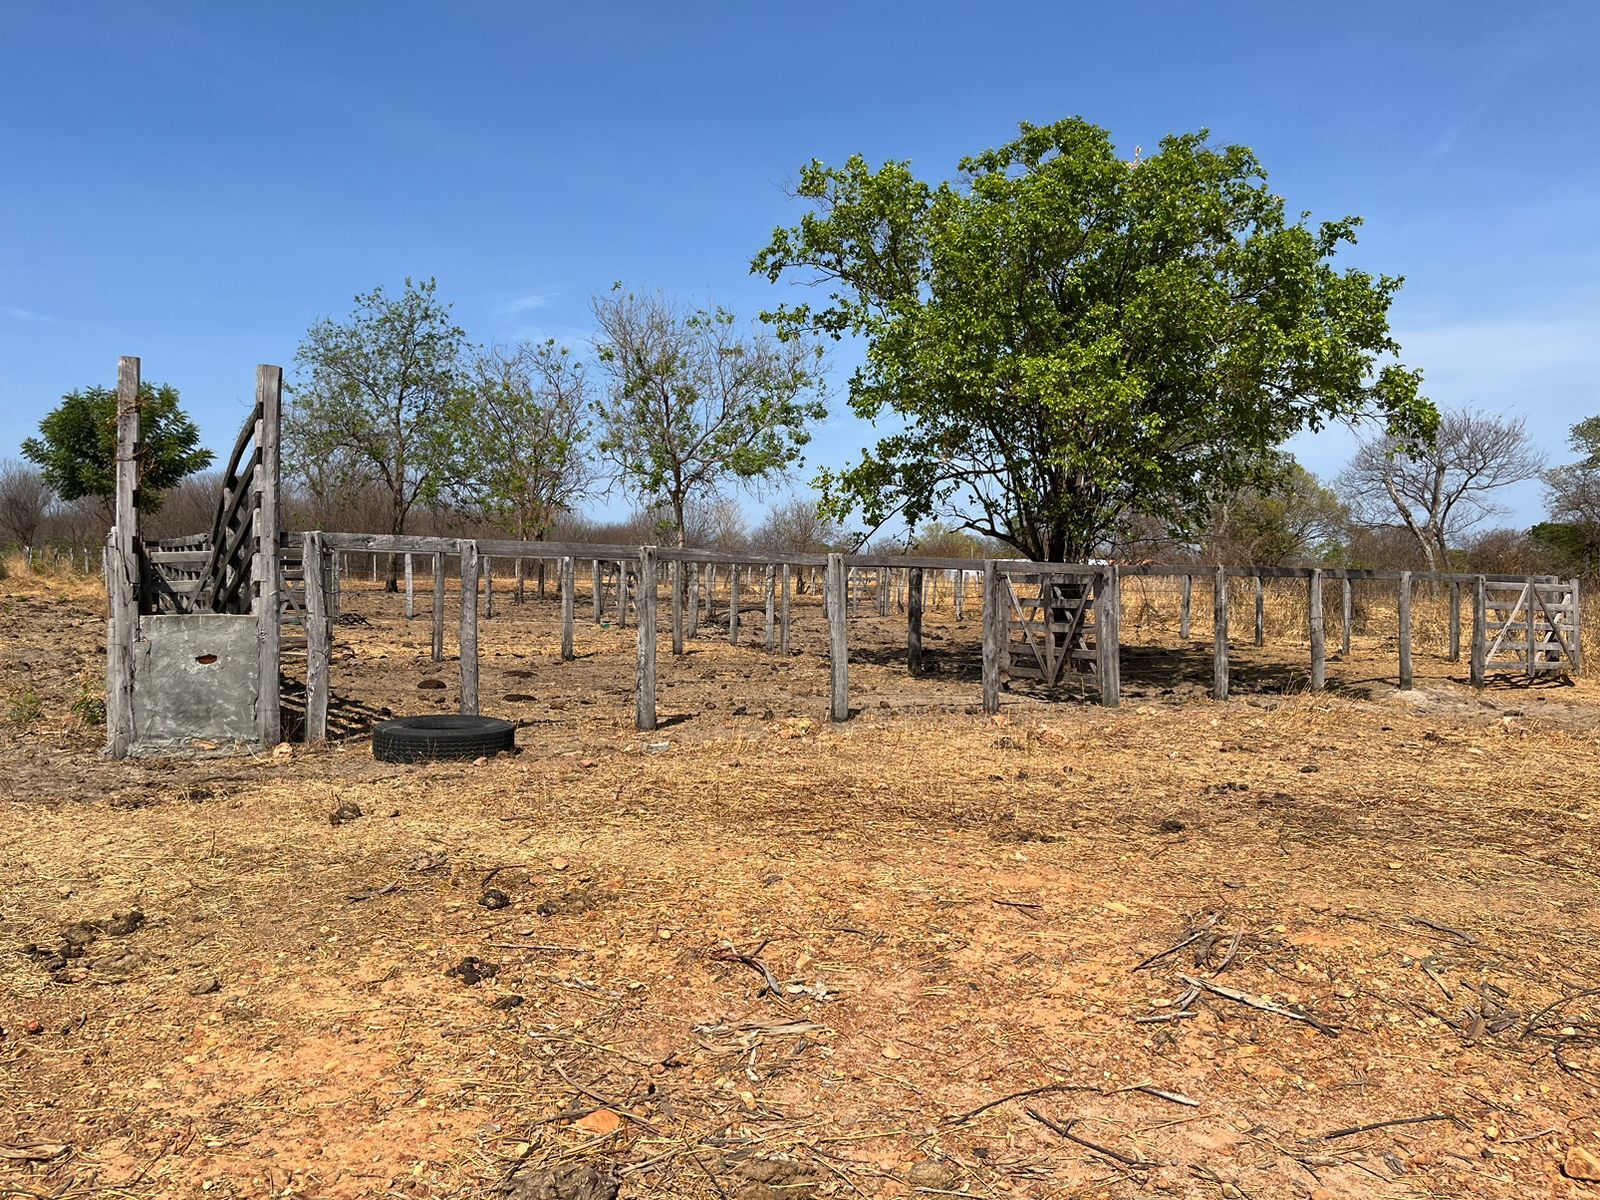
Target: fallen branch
(1468, 938)
(1065, 1131)
(1555, 1004)
(1355, 1129)
(1047, 1090)
(728, 954)
(1216, 989)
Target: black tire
(431, 739)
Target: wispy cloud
(528, 301)
(23, 314)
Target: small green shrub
(90, 706)
(25, 709)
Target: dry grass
(953, 907)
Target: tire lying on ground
(429, 739)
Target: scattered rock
(600, 1122)
(34, 1027)
(508, 1002)
(565, 1182)
(472, 970)
(1172, 825)
(347, 811)
(431, 685)
(283, 750)
(122, 924)
(203, 983)
(494, 898)
(427, 860)
(931, 1174)
(1583, 1164)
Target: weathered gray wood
(1183, 612)
(125, 573)
(438, 608)
(1533, 632)
(771, 582)
(1108, 636)
(883, 591)
(520, 572)
(711, 593)
(961, 595)
(1406, 679)
(994, 634)
(1261, 612)
(336, 568)
(1480, 631)
(675, 603)
(1577, 628)
(914, 620)
(569, 601)
(319, 637)
(1455, 622)
(1219, 639)
(733, 606)
(488, 588)
(1319, 648)
(622, 594)
(783, 613)
(469, 629)
(411, 586)
(595, 590)
(1346, 611)
(694, 600)
(645, 662)
(838, 639)
(268, 599)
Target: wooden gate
(1526, 625)
(1055, 625)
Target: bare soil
(754, 954)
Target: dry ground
(953, 909)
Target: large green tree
(1572, 492)
(76, 450)
(696, 403)
(1063, 340)
(373, 402)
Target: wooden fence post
(694, 600)
(1261, 612)
(883, 591)
(994, 618)
(1108, 635)
(1219, 647)
(960, 594)
(1455, 621)
(675, 603)
(733, 604)
(644, 704)
(595, 590)
(1345, 614)
(1533, 627)
(838, 639)
(914, 620)
(269, 615)
(772, 597)
(438, 606)
(411, 589)
(1183, 613)
(1406, 678)
(622, 594)
(783, 614)
(1319, 648)
(568, 603)
(124, 571)
(336, 567)
(1480, 630)
(319, 640)
(488, 588)
(1577, 629)
(469, 629)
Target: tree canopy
(76, 450)
(696, 403)
(1067, 340)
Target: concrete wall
(195, 681)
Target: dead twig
(1468, 938)
(1048, 1089)
(1355, 1129)
(1216, 989)
(726, 953)
(1065, 1131)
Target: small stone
(494, 898)
(566, 1182)
(203, 983)
(122, 924)
(347, 811)
(508, 1002)
(931, 1174)
(473, 970)
(558, 864)
(1583, 1164)
(480, 761)
(600, 1122)
(431, 685)
(283, 750)
(34, 1027)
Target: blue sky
(196, 182)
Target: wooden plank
(469, 629)
(124, 570)
(1319, 649)
(960, 591)
(1480, 634)
(1577, 628)
(1346, 611)
(488, 588)
(1219, 637)
(1108, 636)
(994, 634)
(771, 582)
(1261, 611)
(694, 599)
(622, 594)
(644, 689)
(1455, 622)
(438, 606)
(1532, 634)
(319, 639)
(568, 603)
(838, 640)
(733, 605)
(411, 586)
(268, 599)
(1183, 611)
(1406, 678)
(594, 591)
(914, 621)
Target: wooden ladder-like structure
(1529, 626)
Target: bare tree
(1445, 490)
(25, 499)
